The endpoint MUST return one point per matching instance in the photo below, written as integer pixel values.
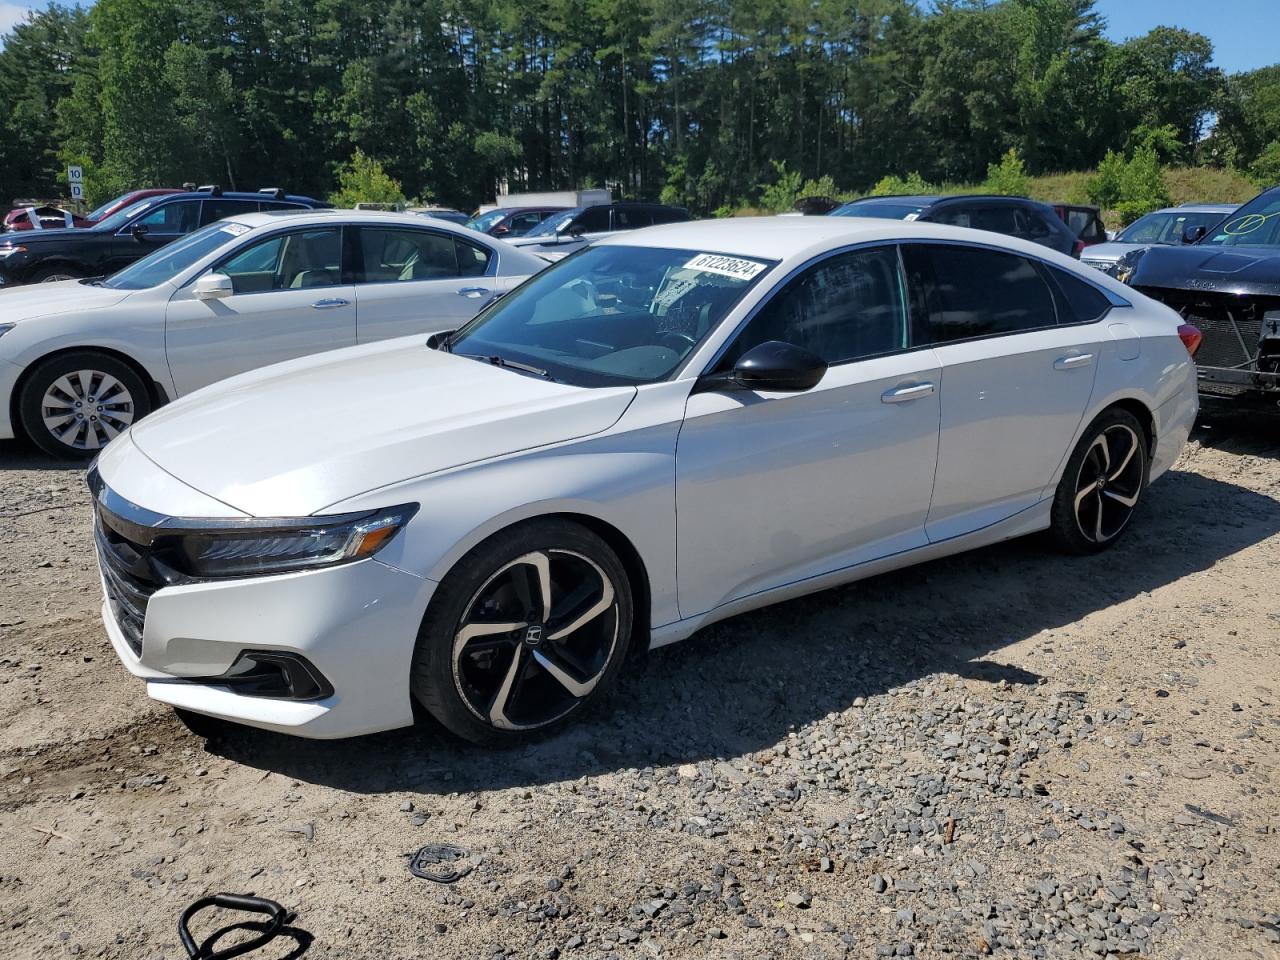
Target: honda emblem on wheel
(533, 635)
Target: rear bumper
(1173, 421)
(357, 624)
(9, 374)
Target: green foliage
(893, 184)
(362, 180)
(1131, 187)
(1265, 170)
(698, 102)
(1008, 177)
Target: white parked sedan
(668, 428)
(81, 360)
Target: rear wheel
(73, 405)
(526, 630)
(1102, 484)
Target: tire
(1102, 484)
(202, 725)
(504, 686)
(54, 274)
(47, 403)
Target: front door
(774, 488)
(289, 301)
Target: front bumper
(9, 374)
(356, 624)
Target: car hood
(54, 235)
(46, 299)
(295, 438)
(1110, 250)
(1248, 270)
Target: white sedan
(671, 427)
(81, 360)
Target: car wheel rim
(535, 639)
(86, 409)
(1108, 484)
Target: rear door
(416, 280)
(289, 301)
(1015, 381)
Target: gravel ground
(1009, 752)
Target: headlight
(278, 546)
(9, 251)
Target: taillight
(1190, 337)
(1079, 248)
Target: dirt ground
(1008, 752)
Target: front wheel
(527, 629)
(73, 405)
(1101, 485)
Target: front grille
(1230, 325)
(127, 574)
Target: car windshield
(1256, 224)
(121, 217)
(1165, 227)
(486, 220)
(553, 224)
(97, 214)
(612, 315)
(888, 211)
(173, 258)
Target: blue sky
(1243, 31)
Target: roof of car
(326, 214)
(781, 238)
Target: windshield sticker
(725, 266)
(911, 216)
(235, 229)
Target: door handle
(330, 303)
(1070, 363)
(473, 293)
(904, 394)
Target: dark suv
(129, 234)
(1012, 216)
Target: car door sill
(1028, 520)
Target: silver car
(1164, 227)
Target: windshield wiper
(498, 361)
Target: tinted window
(172, 219)
(980, 293)
(1078, 302)
(472, 260)
(287, 261)
(847, 307)
(670, 215)
(632, 218)
(522, 223)
(592, 220)
(392, 255)
(221, 207)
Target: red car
(43, 216)
(125, 199)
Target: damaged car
(1226, 282)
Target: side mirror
(576, 231)
(213, 286)
(501, 230)
(772, 366)
(1194, 234)
(138, 230)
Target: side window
(669, 215)
(954, 215)
(632, 218)
(288, 261)
(392, 255)
(522, 223)
(1078, 302)
(220, 207)
(982, 293)
(592, 220)
(472, 260)
(845, 308)
(1031, 224)
(998, 218)
(172, 219)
